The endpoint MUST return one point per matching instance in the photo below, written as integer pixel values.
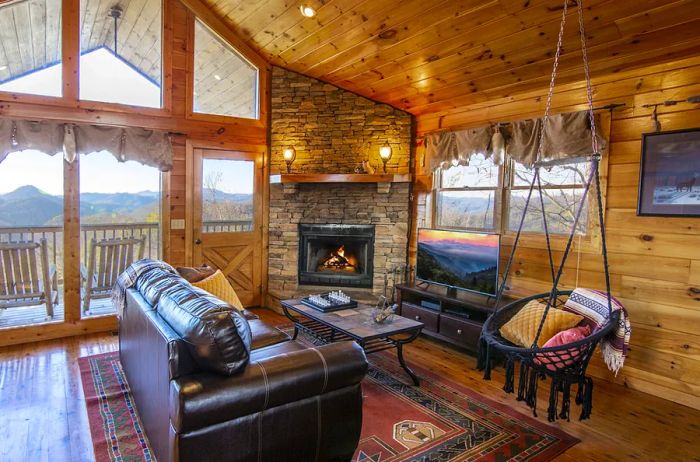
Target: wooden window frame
(197, 11)
(498, 202)
(588, 243)
(70, 66)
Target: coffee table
(354, 324)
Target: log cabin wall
(176, 116)
(186, 128)
(654, 261)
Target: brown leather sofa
(286, 403)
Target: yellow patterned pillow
(219, 287)
(522, 328)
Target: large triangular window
(225, 83)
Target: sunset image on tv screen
(459, 259)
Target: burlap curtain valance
(149, 147)
(567, 135)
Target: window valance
(149, 147)
(566, 135)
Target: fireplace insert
(336, 255)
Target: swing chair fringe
(564, 365)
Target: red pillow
(554, 361)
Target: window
(468, 195)
(121, 52)
(31, 237)
(225, 83)
(562, 189)
(30, 55)
(119, 221)
(227, 195)
(473, 197)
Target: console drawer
(463, 331)
(417, 313)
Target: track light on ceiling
(307, 11)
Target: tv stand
(457, 321)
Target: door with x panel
(227, 215)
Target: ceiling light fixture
(307, 11)
(2, 68)
(217, 76)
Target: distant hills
(29, 206)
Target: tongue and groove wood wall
(654, 261)
(175, 117)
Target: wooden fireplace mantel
(295, 178)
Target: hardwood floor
(44, 418)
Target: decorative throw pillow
(195, 273)
(218, 286)
(522, 328)
(592, 305)
(559, 360)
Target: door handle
(198, 241)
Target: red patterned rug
(440, 421)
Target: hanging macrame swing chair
(564, 365)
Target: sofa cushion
(156, 282)
(218, 336)
(265, 335)
(283, 377)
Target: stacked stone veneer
(333, 131)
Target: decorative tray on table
(329, 301)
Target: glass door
(31, 239)
(227, 218)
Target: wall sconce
(289, 154)
(385, 155)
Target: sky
(104, 77)
(458, 237)
(236, 175)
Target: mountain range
(29, 206)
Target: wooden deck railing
(54, 235)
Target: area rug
(440, 421)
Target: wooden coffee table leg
(399, 352)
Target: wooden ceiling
(30, 33)
(428, 57)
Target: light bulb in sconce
(385, 155)
(289, 154)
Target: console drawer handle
(459, 331)
(417, 318)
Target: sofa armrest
(204, 399)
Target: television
(459, 259)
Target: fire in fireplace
(336, 255)
(339, 260)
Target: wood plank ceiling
(428, 57)
(30, 32)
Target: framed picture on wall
(669, 178)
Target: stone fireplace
(336, 255)
(333, 131)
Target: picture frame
(669, 174)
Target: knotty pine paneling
(237, 131)
(654, 261)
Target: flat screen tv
(459, 259)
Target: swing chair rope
(536, 180)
